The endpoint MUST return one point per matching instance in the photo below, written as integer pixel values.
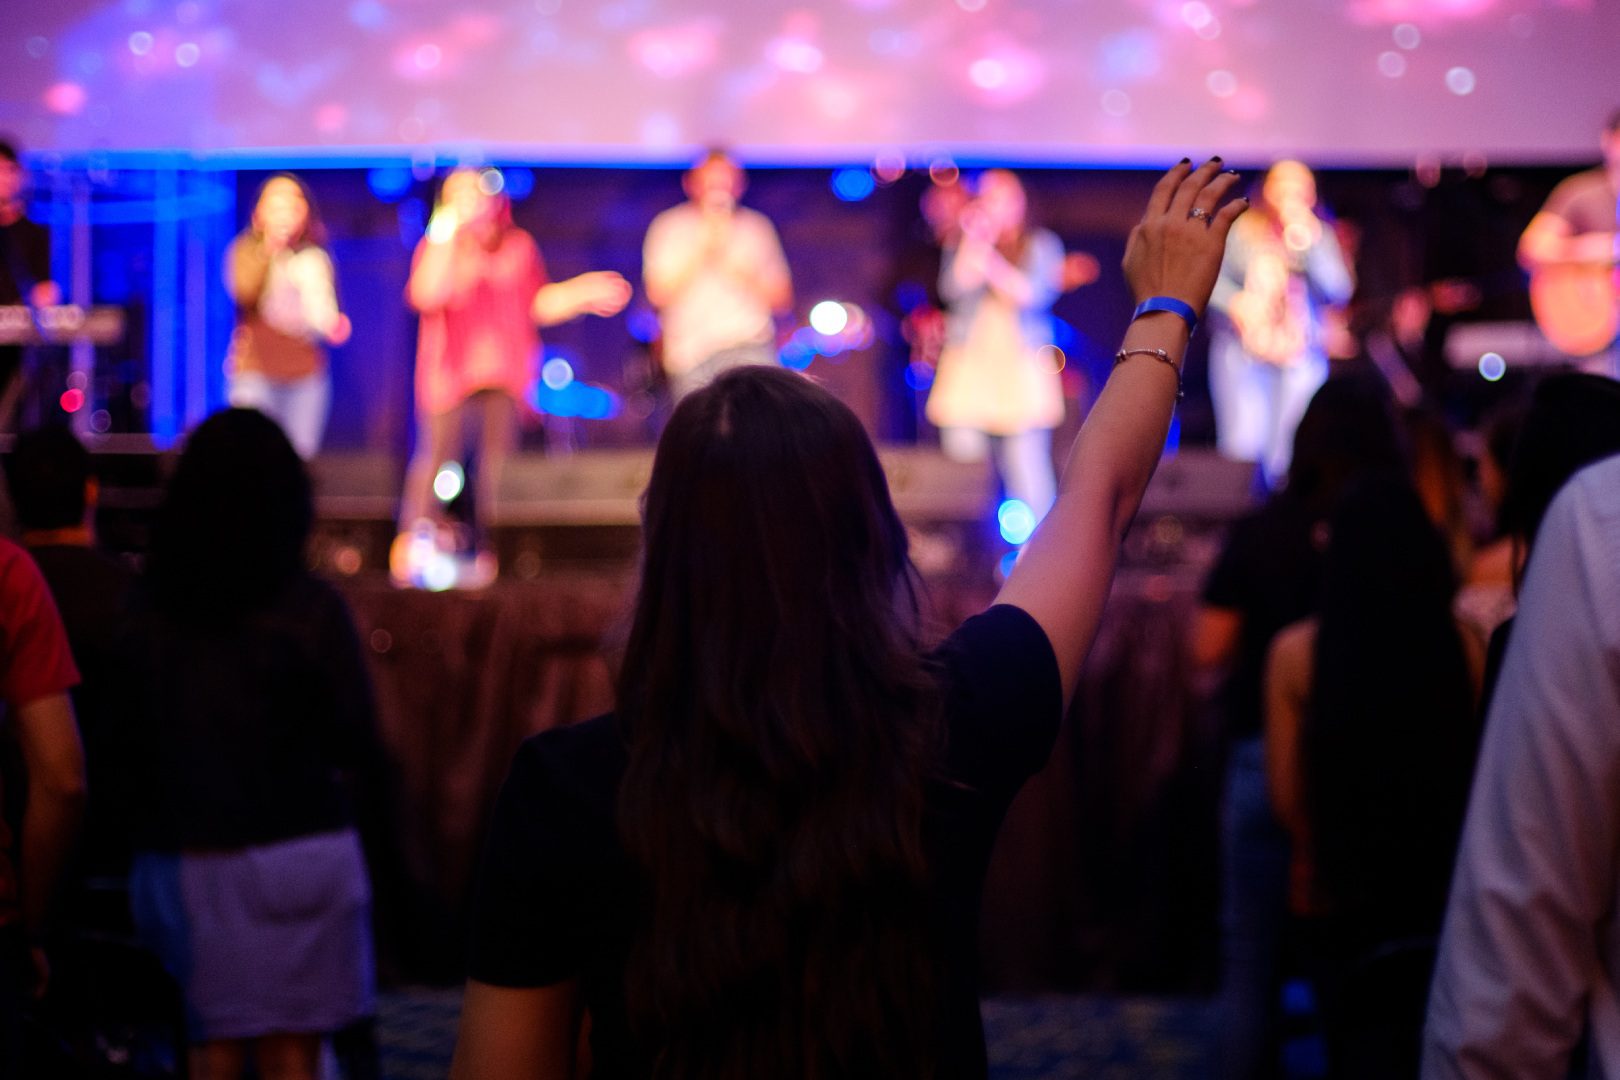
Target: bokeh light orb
(449, 481)
(829, 317)
(853, 185)
(556, 373)
(1016, 520)
(1492, 367)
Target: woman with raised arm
(767, 861)
(480, 285)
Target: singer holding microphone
(480, 286)
(716, 273)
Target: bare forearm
(50, 830)
(53, 761)
(1107, 472)
(1120, 444)
(555, 303)
(432, 280)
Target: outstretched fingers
(1191, 186)
(1165, 190)
(1209, 199)
(1221, 223)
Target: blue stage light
(519, 183)
(389, 182)
(797, 355)
(853, 185)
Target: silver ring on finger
(1198, 213)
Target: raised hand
(602, 292)
(1176, 249)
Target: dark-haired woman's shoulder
(1003, 699)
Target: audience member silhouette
(1528, 967)
(1369, 773)
(54, 494)
(1267, 577)
(1573, 420)
(249, 727)
(42, 774)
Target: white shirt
(299, 298)
(1530, 954)
(715, 310)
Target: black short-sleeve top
(557, 897)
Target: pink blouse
(482, 336)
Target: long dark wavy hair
(782, 724)
(1348, 432)
(234, 521)
(1573, 420)
(1390, 731)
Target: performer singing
(996, 378)
(1267, 357)
(25, 270)
(1571, 249)
(280, 276)
(716, 273)
(480, 285)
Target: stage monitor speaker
(356, 486)
(927, 486)
(1200, 485)
(1520, 344)
(596, 487)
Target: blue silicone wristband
(1173, 306)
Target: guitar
(1577, 305)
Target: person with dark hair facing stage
(280, 275)
(716, 273)
(25, 269)
(245, 751)
(480, 285)
(54, 492)
(1268, 576)
(767, 862)
(1370, 775)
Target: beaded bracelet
(1160, 354)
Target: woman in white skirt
(998, 381)
(245, 748)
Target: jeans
(299, 406)
(1254, 888)
(441, 438)
(1258, 405)
(1024, 462)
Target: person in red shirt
(36, 673)
(481, 288)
